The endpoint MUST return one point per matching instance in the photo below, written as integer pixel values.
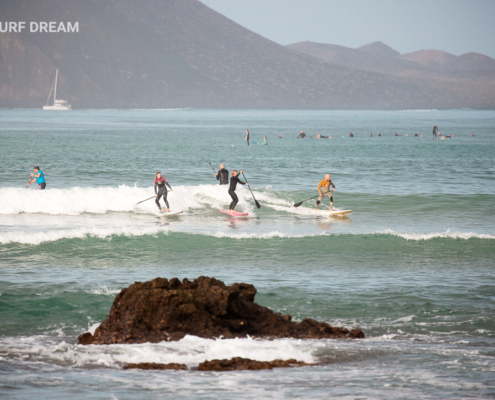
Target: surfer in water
(38, 177)
(302, 135)
(161, 190)
(435, 132)
(234, 180)
(222, 175)
(247, 136)
(265, 141)
(325, 190)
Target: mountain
(429, 65)
(379, 49)
(180, 53)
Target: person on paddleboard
(247, 136)
(435, 132)
(161, 190)
(325, 190)
(38, 177)
(234, 180)
(222, 175)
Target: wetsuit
(161, 190)
(247, 138)
(324, 188)
(41, 180)
(233, 184)
(435, 132)
(301, 136)
(223, 176)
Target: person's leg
(320, 198)
(165, 199)
(157, 201)
(235, 200)
(331, 202)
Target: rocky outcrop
(243, 364)
(167, 310)
(155, 366)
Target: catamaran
(60, 105)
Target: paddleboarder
(325, 190)
(38, 177)
(222, 175)
(435, 132)
(161, 190)
(234, 180)
(247, 136)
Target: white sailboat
(58, 105)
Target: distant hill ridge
(180, 53)
(378, 57)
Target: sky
(455, 26)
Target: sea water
(412, 266)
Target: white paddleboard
(166, 214)
(327, 213)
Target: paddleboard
(336, 213)
(234, 213)
(166, 214)
(328, 213)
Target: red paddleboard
(234, 213)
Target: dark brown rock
(242, 364)
(149, 366)
(164, 309)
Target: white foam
(444, 235)
(191, 350)
(78, 200)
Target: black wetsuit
(301, 136)
(435, 132)
(161, 190)
(223, 176)
(233, 184)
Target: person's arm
(332, 185)
(156, 193)
(218, 176)
(166, 183)
(319, 187)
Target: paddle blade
(257, 204)
(298, 204)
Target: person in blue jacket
(39, 178)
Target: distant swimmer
(351, 134)
(280, 137)
(325, 190)
(472, 134)
(435, 132)
(320, 136)
(371, 135)
(395, 134)
(406, 135)
(379, 134)
(415, 134)
(265, 140)
(234, 180)
(38, 177)
(247, 137)
(302, 135)
(222, 175)
(161, 190)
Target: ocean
(412, 266)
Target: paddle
(255, 201)
(213, 168)
(145, 200)
(299, 204)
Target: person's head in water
(158, 175)
(280, 137)
(234, 172)
(222, 166)
(327, 177)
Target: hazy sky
(455, 26)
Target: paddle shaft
(145, 200)
(255, 201)
(213, 169)
(299, 204)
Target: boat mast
(55, 92)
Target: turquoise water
(413, 265)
